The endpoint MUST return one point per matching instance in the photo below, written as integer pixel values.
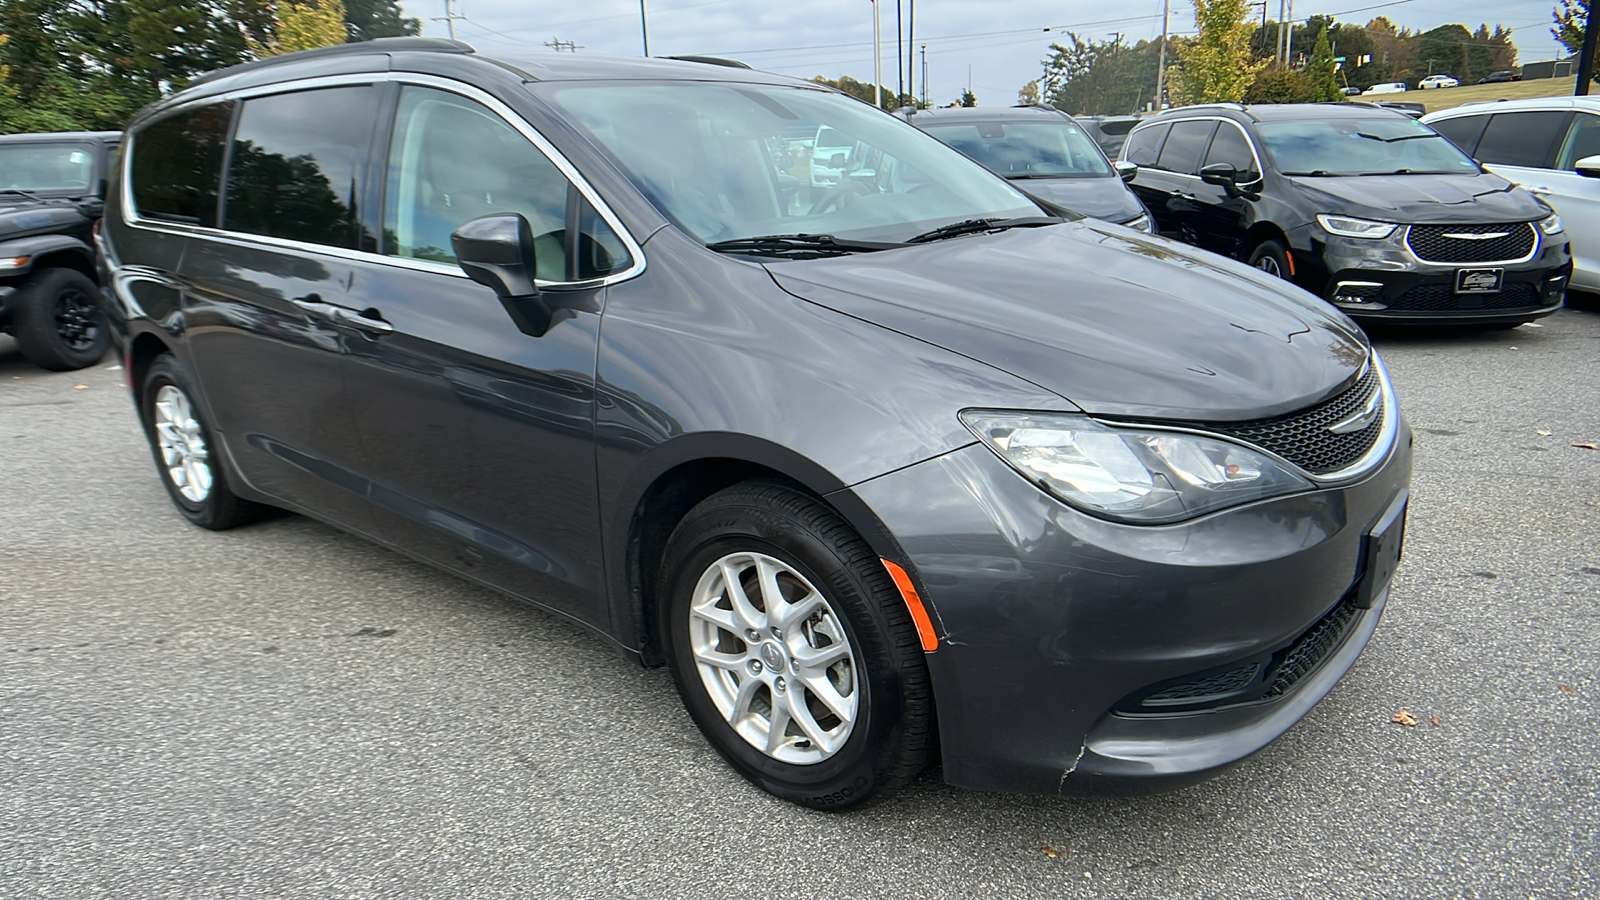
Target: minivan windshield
(1050, 149)
(1376, 145)
(729, 162)
(46, 167)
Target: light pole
(1161, 59)
(644, 28)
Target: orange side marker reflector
(919, 615)
(1289, 254)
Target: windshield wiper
(1314, 173)
(797, 246)
(22, 193)
(975, 226)
(1403, 137)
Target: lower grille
(1303, 437)
(1441, 297)
(1253, 681)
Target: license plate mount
(1382, 551)
(1480, 280)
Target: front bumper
(1382, 280)
(1054, 624)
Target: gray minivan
(914, 471)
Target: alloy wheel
(76, 319)
(183, 446)
(774, 657)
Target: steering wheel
(840, 195)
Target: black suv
(562, 326)
(1360, 205)
(52, 190)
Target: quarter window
(451, 161)
(295, 166)
(1583, 140)
(1520, 139)
(177, 165)
(1144, 145)
(1463, 131)
(1181, 152)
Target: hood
(26, 217)
(1099, 198)
(1424, 199)
(1119, 323)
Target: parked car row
(909, 466)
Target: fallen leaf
(1404, 717)
(1541, 432)
(79, 387)
(1435, 721)
(1513, 348)
(1566, 688)
(1586, 445)
(1053, 852)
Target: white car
(1437, 81)
(1388, 87)
(1550, 146)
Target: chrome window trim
(1261, 170)
(1538, 244)
(132, 219)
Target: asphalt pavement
(287, 711)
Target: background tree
(1029, 95)
(861, 90)
(1321, 72)
(368, 19)
(302, 26)
(1217, 66)
(1571, 17)
(1099, 77)
(968, 98)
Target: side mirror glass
(497, 251)
(1589, 167)
(1127, 171)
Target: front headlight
(1345, 226)
(1128, 474)
(1550, 224)
(1142, 223)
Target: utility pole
(558, 45)
(877, 57)
(1586, 61)
(911, 41)
(449, 18)
(1161, 59)
(924, 74)
(644, 28)
(899, 53)
(1288, 38)
(1278, 52)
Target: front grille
(1258, 680)
(1303, 437)
(1432, 243)
(1438, 297)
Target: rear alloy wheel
(792, 648)
(1272, 257)
(185, 453)
(59, 323)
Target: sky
(999, 42)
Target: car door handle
(312, 303)
(1538, 191)
(367, 320)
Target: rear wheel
(59, 324)
(184, 451)
(793, 650)
(1272, 257)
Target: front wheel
(1272, 257)
(59, 323)
(793, 650)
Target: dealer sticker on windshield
(1479, 281)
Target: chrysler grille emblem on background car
(1486, 236)
(1362, 417)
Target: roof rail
(378, 45)
(711, 61)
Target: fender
(34, 247)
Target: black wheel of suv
(59, 324)
(1272, 257)
(185, 452)
(792, 648)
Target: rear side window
(177, 165)
(1144, 145)
(1181, 152)
(296, 163)
(1521, 139)
(1463, 131)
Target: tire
(867, 708)
(1272, 257)
(58, 322)
(182, 444)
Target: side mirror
(838, 162)
(497, 251)
(1220, 174)
(1127, 171)
(1589, 167)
